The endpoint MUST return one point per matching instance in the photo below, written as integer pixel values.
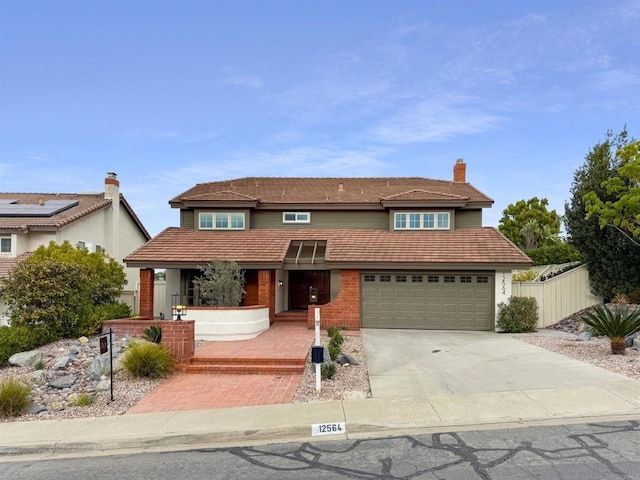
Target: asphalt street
(586, 452)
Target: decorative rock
(57, 406)
(83, 340)
(98, 367)
(25, 359)
(629, 341)
(63, 382)
(72, 398)
(35, 409)
(344, 359)
(64, 361)
(584, 336)
(39, 377)
(75, 349)
(73, 343)
(103, 385)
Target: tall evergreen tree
(613, 260)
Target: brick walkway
(184, 391)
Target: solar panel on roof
(47, 209)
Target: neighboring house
(379, 252)
(96, 221)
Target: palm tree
(616, 323)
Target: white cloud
(435, 119)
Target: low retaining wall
(229, 323)
(177, 337)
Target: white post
(317, 328)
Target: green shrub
(153, 334)
(334, 350)
(92, 322)
(525, 276)
(16, 339)
(331, 331)
(150, 360)
(554, 254)
(83, 400)
(327, 371)
(616, 323)
(14, 398)
(520, 315)
(337, 339)
(39, 365)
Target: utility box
(317, 354)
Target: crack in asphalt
(444, 451)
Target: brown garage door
(428, 300)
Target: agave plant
(616, 323)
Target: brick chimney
(460, 171)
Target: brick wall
(344, 310)
(178, 337)
(146, 293)
(267, 292)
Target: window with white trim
(5, 244)
(221, 220)
(421, 220)
(296, 217)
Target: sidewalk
(292, 422)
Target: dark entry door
(301, 281)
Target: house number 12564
(328, 429)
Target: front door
(300, 281)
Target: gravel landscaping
(349, 382)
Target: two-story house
(95, 221)
(376, 252)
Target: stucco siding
(320, 219)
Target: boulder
(103, 385)
(344, 359)
(64, 361)
(83, 340)
(99, 366)
(25, 359)
(584, 336)
(63, 382)
(629, 341)
(34, 409)
(39, 377)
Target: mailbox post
(317, 352)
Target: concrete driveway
(405, 363)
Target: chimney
(341, 187)
(460, 171)
(112, 226)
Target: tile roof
(7, 264)
(479, 246)
(283, 190)
(87, 204)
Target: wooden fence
(559, 296)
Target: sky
(168, 94)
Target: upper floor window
(5, 244)
(221, 220)
(421, 220)
(296, 217)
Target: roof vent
(341, 187)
